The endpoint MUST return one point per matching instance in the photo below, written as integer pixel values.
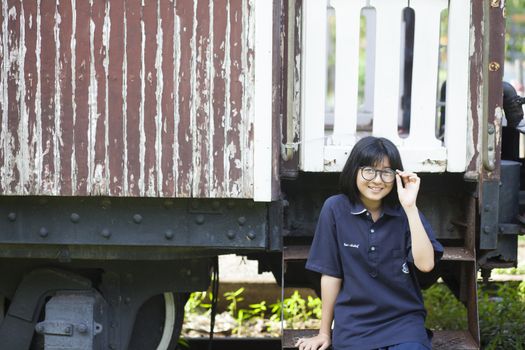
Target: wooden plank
(425, 74)
(387, 76)
(184, 125)
(80, 172)
(313, 85)
(457, 85)
(99, 50)
(348, 15)
(65, 106)
(117, 109)
(220, 23)
(262, 165)
(150, 116)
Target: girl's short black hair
(369, 151)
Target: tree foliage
(515, 29)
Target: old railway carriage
(141, 139)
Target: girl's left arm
(422, 249)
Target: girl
(368, 242)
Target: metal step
(458, 254)
(457, 340)
(291, 336)
(443, 340)
(300, 252)
(296, 252)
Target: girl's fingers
(398, 181)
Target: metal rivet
(241, 220)
(486, 229)
(39, 328)
(82, 328)
(75, 218)
(495, 3)
(43, 232)
(106, 233)
(11, 217)
(494, 66)
(216, 205)
(199, 219)
(231, 234)
(251, 235)
(137, 218)
(490, 148)
(67, 330)
(169, 234)
(490, 129)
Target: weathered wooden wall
(127, 97)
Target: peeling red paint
(127, 98)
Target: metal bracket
(488, 238)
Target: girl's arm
(330, 287)
(422, 249)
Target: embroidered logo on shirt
(351, 245)
(404, 268)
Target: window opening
(365, 97)
(407, 61)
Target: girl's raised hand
(319, 342)
(407, 188)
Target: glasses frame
(381, 172)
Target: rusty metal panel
(135, 98)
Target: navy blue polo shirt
(380, 302)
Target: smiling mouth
(376, 189)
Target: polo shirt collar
(359, 208)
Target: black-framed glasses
(368, 173)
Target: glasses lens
(388, 175)
(368, 173)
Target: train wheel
(159, 323)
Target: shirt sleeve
(438, 248)
(324, 253)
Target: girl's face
(373, 190)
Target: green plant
(502, 317)
(234, 298)
(258, 309)
(444, 310)
(314, 304)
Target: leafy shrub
(502, 317)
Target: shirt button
(372, 248)
(372, 231)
